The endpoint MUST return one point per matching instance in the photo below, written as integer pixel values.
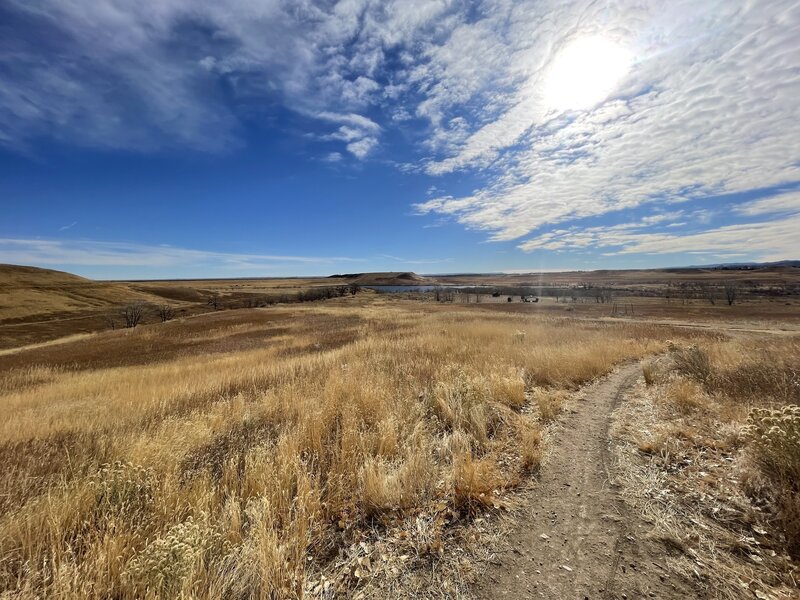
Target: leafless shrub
(133, 314)
(709, 292)
(731, 289)
(165, 313)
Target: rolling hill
(31, 293)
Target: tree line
(134, 313)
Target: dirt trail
(575, 538)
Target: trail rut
(575, 538)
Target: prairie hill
(388, 278)
(31, 293)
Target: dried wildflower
(167, 564)
(123, 488)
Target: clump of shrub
(650, 373)
(765, 376)
(462, 403)
(398, 485)
(775, 449)
(508, 389)
(693, 362)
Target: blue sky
(196, 138)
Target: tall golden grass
(755, 385)
(235, 475)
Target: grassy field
(39, 305)
(165, 460)
(356, 445)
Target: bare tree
(133, 314)
(165, 313)
(213, 301)
(731, 291)
(709, 292)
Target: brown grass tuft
(685, 395)
(650, 373)
(475, 482)
(530, 444)
(549, 403)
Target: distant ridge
(23, 275)
(387, 278)
(35, 293)
(672, 269)
(749, 265)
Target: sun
(585, 73)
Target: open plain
(362, 444)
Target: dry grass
(685, 394)
(717, 429)
(649, 372)
(28, 292)
(245, 474)
(549, 403)
(775, 450)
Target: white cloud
(332, 157)
(766, 240)
(350, 120)
(416, 261)
(83, 253)
(359, 133)
(362, 147)
(147, 75)
(782, 203)
(710, 107)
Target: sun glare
(585, 73)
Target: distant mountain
(749, 265)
